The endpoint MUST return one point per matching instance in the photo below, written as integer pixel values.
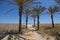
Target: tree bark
(26, 21)
(20, 19)
(34, 22)
(38, 22)
(52, 20)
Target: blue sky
(13, 17)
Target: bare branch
(10, 2)
(10, 10)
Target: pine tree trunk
(20, 19)
(34, 22)
(52, 20)
(38, 22)
(26, 21)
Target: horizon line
(28, 23)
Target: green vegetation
(27, 11)
(38, 9)
(52, 10)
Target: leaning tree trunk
(52, 20)
(26, 21)
(20, 19)
(38, 22)
(34, 22)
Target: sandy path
(33, 35)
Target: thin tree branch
(10, 2)
(10, 10)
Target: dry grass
(8, 27)
(46, 29)
(49, 30)
(5, 27)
